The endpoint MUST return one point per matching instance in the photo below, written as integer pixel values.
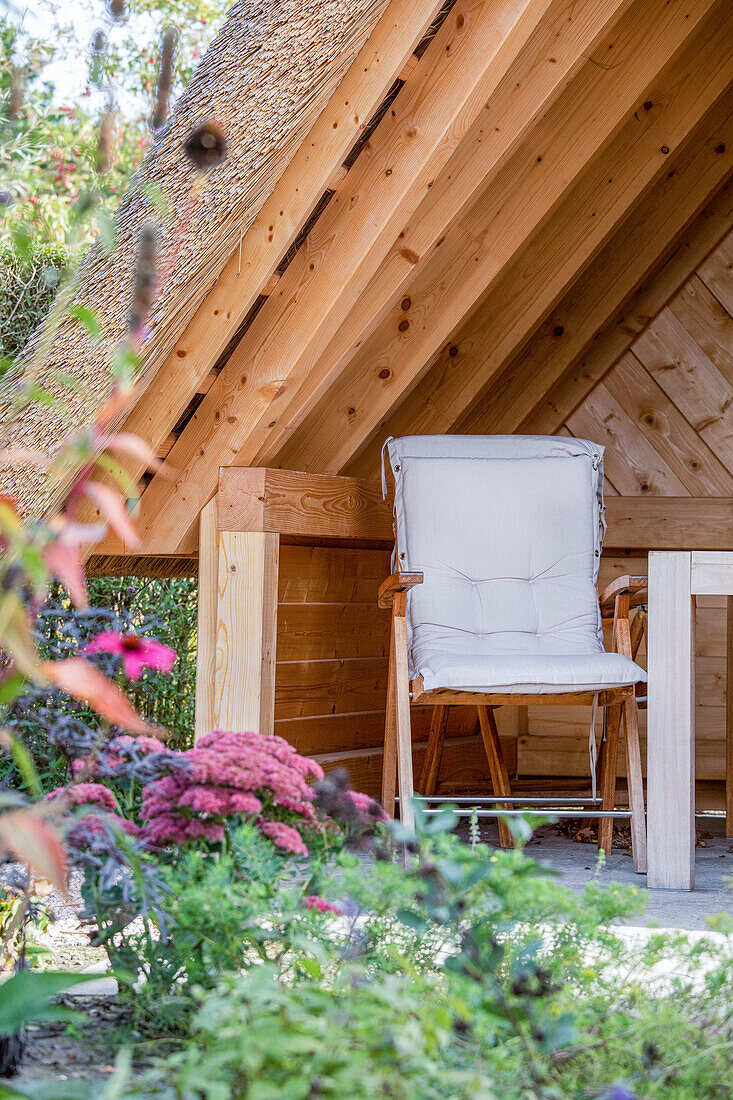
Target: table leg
(671, 722)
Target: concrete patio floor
(576, 863)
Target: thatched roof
(264, 80)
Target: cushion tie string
(386, 443)
(592, 753)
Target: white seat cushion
(507, 532)
(526, 674)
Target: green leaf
(88, 319)
(26, 997)
(11, 688)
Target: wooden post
(670, 724)
(207, 610)
(244, 692)
(729, 721)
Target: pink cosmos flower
(312, 901)
(137, 653)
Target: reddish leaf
(72, 533)
(25, 456)
(66, 563)
(32, 840)
(130, 444)
(16, 637)
(113, 508)
(119, 401)
(77, 677)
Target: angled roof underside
(534, 188)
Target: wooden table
(675, 579)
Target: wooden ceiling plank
(671, 435)
(691, 380)
(602, 179)
(717, 273)
(554, 54)
(633, 463)
(551, 393)
(296, 193)
(461, 67)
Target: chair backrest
(508, 532)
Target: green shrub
(165, 608)
(27, 287)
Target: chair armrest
(636, 587)
(397, 582)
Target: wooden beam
(669, 523)
(600, 317)
(278, 223)
(246, 621)
(461, 67)
(307, 505)
(329, 506)
(600, 153)
(206, 622)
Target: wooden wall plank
(633, 463)
(322, 574)
(717, 273)
(673, 438)
(691, 380)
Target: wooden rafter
(588, 163)
(459, 70)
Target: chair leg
(497, 767)
(389, 763)
(402, 707)
(434, 753)
(608, 778)
(636, 785)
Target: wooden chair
(521, 520)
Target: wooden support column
(244, 691)
(237, 620)
(207, 608)
(729, 721)
(670, 722)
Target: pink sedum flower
(284, 836)
(231, 774)
(85, 794)
(137, 653)
(366, 806)
(91, 828)
(312, 901)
